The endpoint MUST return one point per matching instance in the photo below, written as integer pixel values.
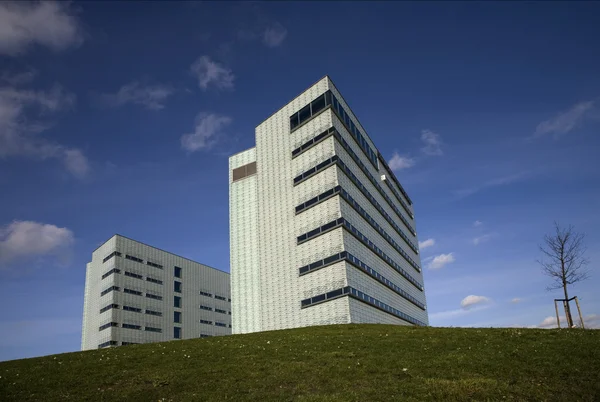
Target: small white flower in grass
(404, 369)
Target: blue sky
(119, 118)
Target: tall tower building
(136, 293)
(321, 231)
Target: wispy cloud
(477, 223)
(565, 121)
(589, 321)
(473, 300)
(151, 97)
(433, 143)
(443, 315)
(440, 261)
(20, 78)
(47, 23)
(426, 243)
(23, 239)
(210, 73)
(208, 128)
(22, 114)
(499, 181)
(481, 239)
(398, 162)
(516, 300)
(274, 35)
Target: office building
(135, 293)
(321, 231)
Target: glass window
(177, 332)
(304, 114)
(177, 302)
(294, 121)
(177, 287)
(328, 98)
(318, 104)
(177, 317)
(177, 272)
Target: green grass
(329, 363)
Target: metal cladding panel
(280, 288)
(243, 238)
(195, 277)
(362, 313)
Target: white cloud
(18, 78)
(274, 35)
(481, 239)
(426, 243)
(212, 73)
(473, 300)
(433, 143)
(589, 321)
(477, 223)
(21, 114)
(22, 239)
(151, 97)
(208, 127)
(565, 121)
(400, 162)
(47, 23)
(516, 300)
(440, 260)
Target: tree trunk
(567, 307)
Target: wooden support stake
(557, 318)
(579, 309)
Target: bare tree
(563, 260)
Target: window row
(111, 255)
(395, 179)
(313, 171)
(112, 271)
(312, 142)
(375, 183)
(132, 275)
(220, 297)
(358, 295)
(363, 239)
(206, 294)
(346, 256)
(220, 324)
(129, 326)
(108, 343)
(337, 190)
(130, 291)
(109, 307)
(320, 230)
(346, 196)
(335, 159)
(141, 261)
(243, 172)
(320, 104)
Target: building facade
(135, 293)
(321, 231)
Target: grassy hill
(329, 363)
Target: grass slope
(329, 363)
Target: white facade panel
(144, 311)
(287, 299)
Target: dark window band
(345, 256)
(311, 172)
(375, 183)
(312, 142)
(360, 296)
(346, 196)
(109, 307)
(363, 239)
(133, 275)
(132, 258)
(114, 253)
(112, 271)
(315, 108)
(395, 179)
(107, 343)
(108, 325)
(108, 290)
